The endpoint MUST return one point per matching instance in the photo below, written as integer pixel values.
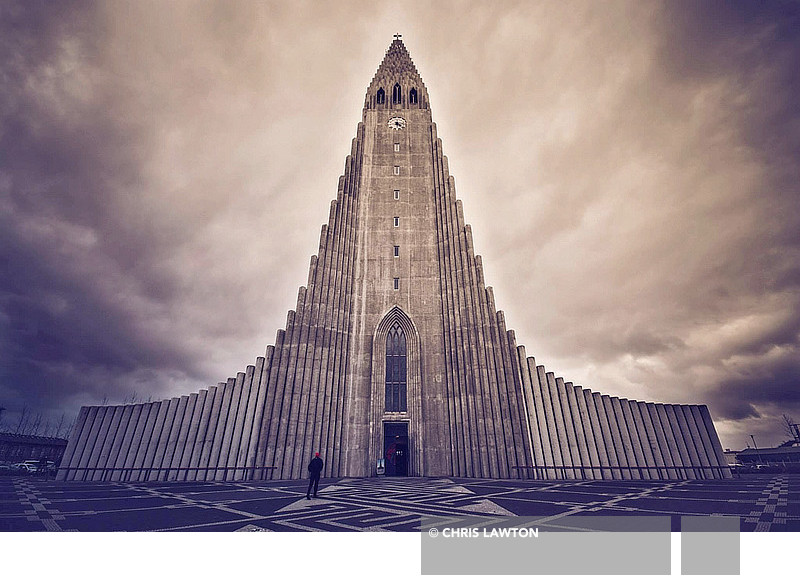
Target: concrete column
(519, 414)
(599, 435)
(575, 436)
(335, 335)
(476, 463)
(628, 428)
(120, 411)
(696, 437)
(294, 385)
(475, 397)
(680, 451)
(235, 452)
(451, 386)
(588, 428)
(644, 440)
(118, 460)
(612, 444)
(462, 437)
(248, 426)
(560, 426)
(100, 424)
(487, 393)
(274, 363)
(532, 419)
(215, 397)
(688, 441)
(184, 426)
(657, 442)
(138, 443)
(163, 440)
(192, 443)
(702, 439)
(277, 435)
(505, 448)
(258, 418)
(202, 444)
(297, 443)
(77, 442)
(224, 418)
(230, 427)
(152, 444)
(269, 428)
(216, 424)
(285, 391)
(714, 438)
(97, 448)
(547, 428)
(336, 340)
(172, 438)
(337, 374)
(621, 440)
(146, 441)
(659, 411)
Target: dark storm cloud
(67, 325)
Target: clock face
(397, 123)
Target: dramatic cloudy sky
(630, 170)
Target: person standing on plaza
(314, 471)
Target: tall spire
(397, 68)
(397, 60)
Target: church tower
(395, 358)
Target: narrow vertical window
(397, 170)
(397, 195)
(397, 94)
(380, 97)
(412, 97)
(397, 147)
(397, 250)
(395, 369)
(396, 283)
(397, 221)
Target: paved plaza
(764, 502)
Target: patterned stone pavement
(764, 503)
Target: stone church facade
(395, 359)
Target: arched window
(412, 97)
(396, 93)
(395, 369)
(380, 97)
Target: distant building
(15, 447)
(730, 456)
(789, 454)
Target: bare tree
(67, 430)
(22, 426)
(57, 432)
(35, 424)
(789, 427)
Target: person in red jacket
(314, 470)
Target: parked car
(27, 467)
(6, 469)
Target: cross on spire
(398, 36)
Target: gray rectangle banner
(710, 545)
(527, 545)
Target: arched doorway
(396, 439)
